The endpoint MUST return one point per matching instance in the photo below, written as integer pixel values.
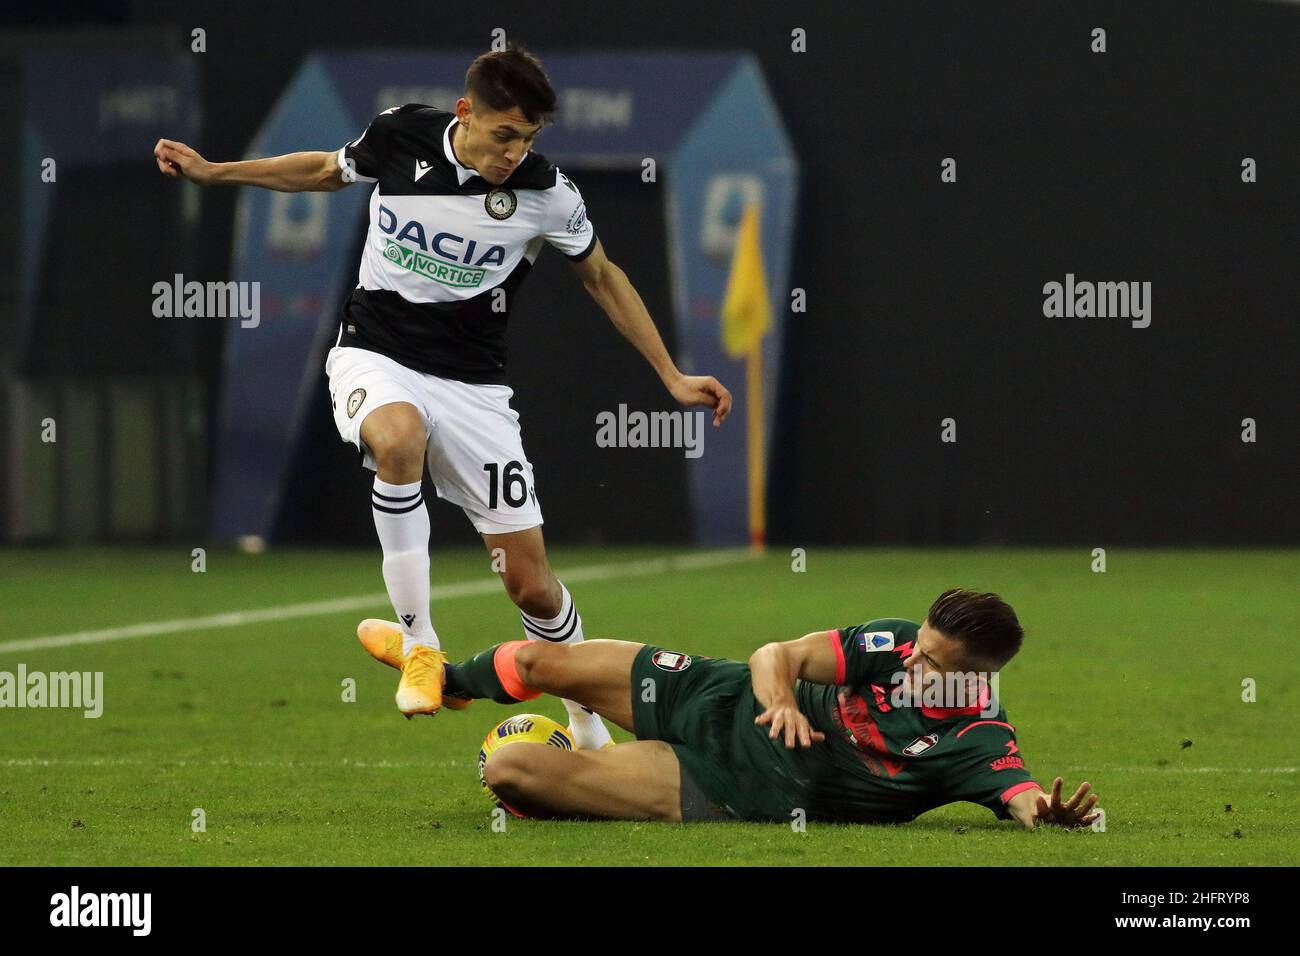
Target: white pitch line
(591, 572)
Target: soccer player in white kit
(460, 209)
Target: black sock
(477, 678)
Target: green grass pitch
(1131, 678)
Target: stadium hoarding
(106, 384)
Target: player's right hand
(178, 159)
(788, 720)
(1073, 813)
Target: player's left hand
(788, 720)
(1072, 813)
(703, 390)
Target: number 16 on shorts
(507, 483)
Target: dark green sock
(477, 678)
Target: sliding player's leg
(597, 674)
(683, 724)
(633, 781)
(547, 612)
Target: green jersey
(880, 762)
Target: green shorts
(690, 703)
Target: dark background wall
(925, 299)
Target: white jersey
(442, 241)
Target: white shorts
(475, 454)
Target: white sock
(403, 526)
(589, 731)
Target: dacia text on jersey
(448, 245)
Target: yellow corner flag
(746, 313)
(746, 318)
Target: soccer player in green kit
(835, 724)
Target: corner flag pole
(746, 318)
(757, 458)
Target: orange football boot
(383, 641)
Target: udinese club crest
(500, 203)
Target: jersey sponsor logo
(421, 167)
(354, 401)
(876, 641)
(920, 745)
(500, 203)
(854, 719)
(1007, 763)
(446, 244)
(444, 273)
(670, 660)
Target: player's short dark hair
(512, 77)
(984, 623)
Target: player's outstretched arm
(290, 173)
(1037, 807)
(614, 292)
(773, 670)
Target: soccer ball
(521, 728)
